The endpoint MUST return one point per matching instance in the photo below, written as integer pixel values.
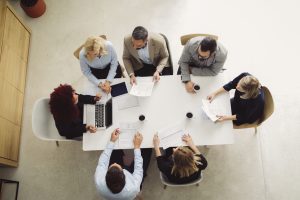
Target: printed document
(210, 110)
(143, 88)
(127, 132)
(171, 136)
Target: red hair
(62, 104)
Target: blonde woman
(182, 164)
(98, 60)
(247, 105)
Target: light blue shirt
(144, 55)
(132, 181)
(100, 63)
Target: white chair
(166, 182)
(43, 125)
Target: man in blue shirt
(114, 182)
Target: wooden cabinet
(14, 44)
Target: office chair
(43, 125)
(166, 182)
(170, 57)
(268, 111)
(185, 38)
(77, 51)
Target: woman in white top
(98, 60)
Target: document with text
(143, 88)
(127, 132)
(171, 136)
(210, 110)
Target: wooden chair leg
(255, 130)
(165, 186)
(57, 144)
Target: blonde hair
(185, 162)
(251, 86)
(95, 43)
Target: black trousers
(117, 157)
(148, 70)
(102, 73)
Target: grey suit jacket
(158, 51)
(189, 60)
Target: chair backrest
(165, 181)
(185, 38)
(170, 56)
(268, 106)
(77, 51)
(43, 124)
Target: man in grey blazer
(145, 55)
(201, 56)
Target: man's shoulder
(127, 39)
(157, 38)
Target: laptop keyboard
(99, 115)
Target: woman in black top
(183, 164)
(66, 107)
(247, 105)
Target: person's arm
(86, 99)
(189, 141)
(87, 71)
(214, 94)
(105, 156)
(184, 63)
(138, 160)
(114, 63)
(232, 84)
(164, 56)
(126, 59)
(71, 130)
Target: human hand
(189, 86)
(106, 87)
(115, 135)
(188, 139)
(156, 141)
(211, 97)
(91, 128)
(156, 76)
(132, 79)
(137, 140)
(222, 118)
(97, 97)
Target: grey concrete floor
(262, 37)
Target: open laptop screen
(108, 113)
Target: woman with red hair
(66, 107)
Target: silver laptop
(99, 115)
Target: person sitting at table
(145, 55)
(182, 164)
(113, 179)
(247, 105)
(98, 60)
(201, 56)
(66, 107)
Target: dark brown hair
(115, 179)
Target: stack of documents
(143, 88)
(171, 136)
(209, 110)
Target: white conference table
(168, 105)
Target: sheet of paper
(211, 110)
(143, 88)
(127, 101)
(171, 136)
(127, 132)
